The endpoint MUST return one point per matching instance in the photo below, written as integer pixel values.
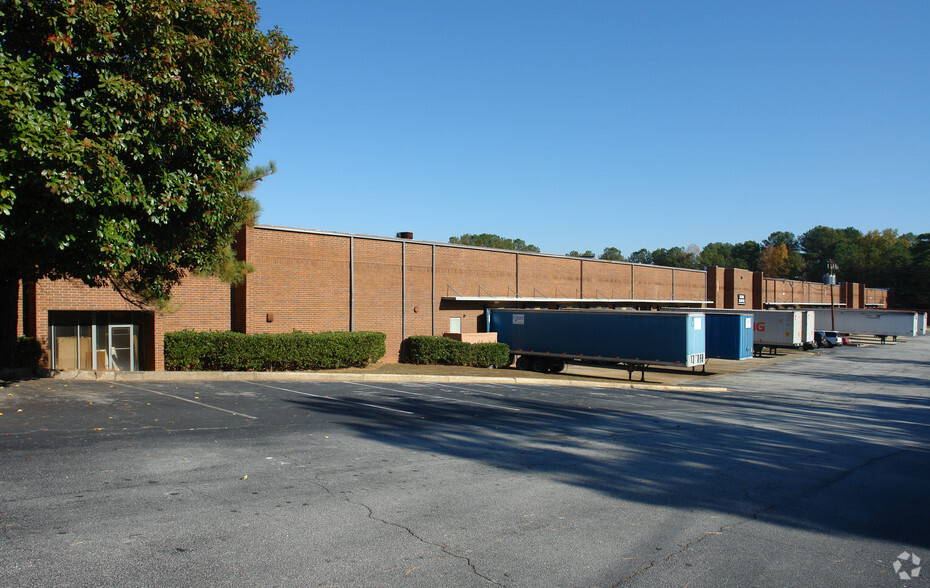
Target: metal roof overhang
(818, 304)
(540, 300)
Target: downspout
(351, 283)
(403, 291)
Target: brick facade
(318, 281)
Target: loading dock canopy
(814, 304)
(543, 300)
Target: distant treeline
(879, 259)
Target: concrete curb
(109, 376)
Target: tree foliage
(587, 254)
(611, 253)
(878, 258)
(493, 241)
(124, 127)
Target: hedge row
(28, 352)
(236, 352)
(424, 349)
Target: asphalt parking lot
(807, 472)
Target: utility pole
(831, 267)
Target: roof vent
(405, 235)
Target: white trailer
(882, 323)
(777, 328)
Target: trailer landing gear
(632, 367)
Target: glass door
(122, 348)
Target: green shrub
(297, 351)
(423, 349)
(28, 352)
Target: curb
(110, 376)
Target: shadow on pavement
(758, 455)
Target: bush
(28, 352)
(297, 351)
(422, 349)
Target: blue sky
(585, 125)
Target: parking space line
(470, 390)
(459, 400)
(330, 398)
(232, 412)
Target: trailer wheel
(523, 363)
(556, 365)
(540, 365)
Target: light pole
(831, 267)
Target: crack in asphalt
(5, 531)
(412, 533)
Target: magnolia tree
(124, 126)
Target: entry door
(122, 350)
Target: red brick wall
(301, 281)
(738, 282)
(419, 307)
(378, 291)
(198, 303)
(322, 282)
(652, 283)
(802, 293)
(549, 277)
(689, 285)
(850, 292)
(715, 287)
(607, 279)
(873, 297)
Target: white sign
(518, 319)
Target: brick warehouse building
(324, 281)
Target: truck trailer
(777, 329)
(543, 340)
(882, 323)
(728, 336)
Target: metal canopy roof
(510, 299)
(827, 304)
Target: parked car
(845, 339)
(828, 338)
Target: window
(96, 340)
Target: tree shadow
(751, 457)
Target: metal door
(122, 351)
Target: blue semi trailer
(728, 336)
(542, 340)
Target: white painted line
(470, 390)
(242, 414)
(457, 400)
(330, 398)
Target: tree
(675, 257)
(493, 241)
(611, 253)
(914, 289)
(125, 127)
(774, 261)
(821, 244)
(746, 255)
(716, 254)
(574, 253)
(641, 256)
(781, 238)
